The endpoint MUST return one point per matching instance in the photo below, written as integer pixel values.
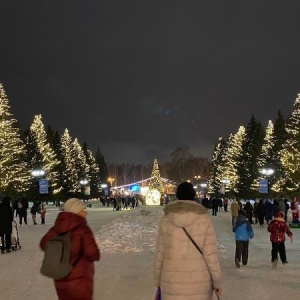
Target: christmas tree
(155, 181)
(14, 175)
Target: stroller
(15, 243)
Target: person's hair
(242, 212)
(185, 191)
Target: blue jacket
(243, 229)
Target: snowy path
(125, 269)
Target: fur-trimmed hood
(183, 212)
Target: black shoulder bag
(194, 243)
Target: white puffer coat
(180, 270)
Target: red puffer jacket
(79, 283)
(278, 229)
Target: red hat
(279, 214)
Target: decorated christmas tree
(14, 175)
(155, 181)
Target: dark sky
(138, 78)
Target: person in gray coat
(6, 218)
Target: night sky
(139, 78)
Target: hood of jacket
(241, 220)
(66, 221)
(182, 213)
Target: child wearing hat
(243, 232)
(278, 229)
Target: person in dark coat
(79, 283)
(23, 206)
(214, 205)
(249, 211)
(6, 218)
(269, 211)
(260, 211)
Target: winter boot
(274, 263)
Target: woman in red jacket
(79, 283)
(278, 229)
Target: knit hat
(74, 205)
(279, 214)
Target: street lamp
(225, 183)
(83, 183)
(267, 172)
(38, 173)
(110, 180)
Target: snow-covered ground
(125, 271)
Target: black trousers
(214, 211)
(261, 219)
(241, 251)
(6, 241)
(278, 247)
(21, 216)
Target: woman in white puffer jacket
(180, 270)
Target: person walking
(181, 271)
(261, 212)
(235, 207)
(214, 205)
(22, 211)
(79, 283)
(278, 229)
(225, 204)
(34, 210)
(249, 211)
(269, 211)
(6, 218)
(243, 232)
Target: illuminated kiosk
(153, 197)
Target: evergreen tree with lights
(280, 138)
(93, 171)
(234, 149)
(42, 155)
(14, 175)
(217, 166)
(80, 161)
(155, 181)
(70, 175)
(290, 154)
(247, 167)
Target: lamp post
(110, 180)
(225, 182)
(38, 174)
(83, 183)
(267, 172)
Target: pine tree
(14, 175)
(44, 156)
(217, 166)
(234, 149)
(103, 169)
(93, 171)
(265, 158)
(80, 161)
(155, 181)
(280, 138)
(247, 167)
(290, 155)
(69, 175)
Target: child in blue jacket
(243, 231)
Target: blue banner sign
(263, 186)
(43, 186)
